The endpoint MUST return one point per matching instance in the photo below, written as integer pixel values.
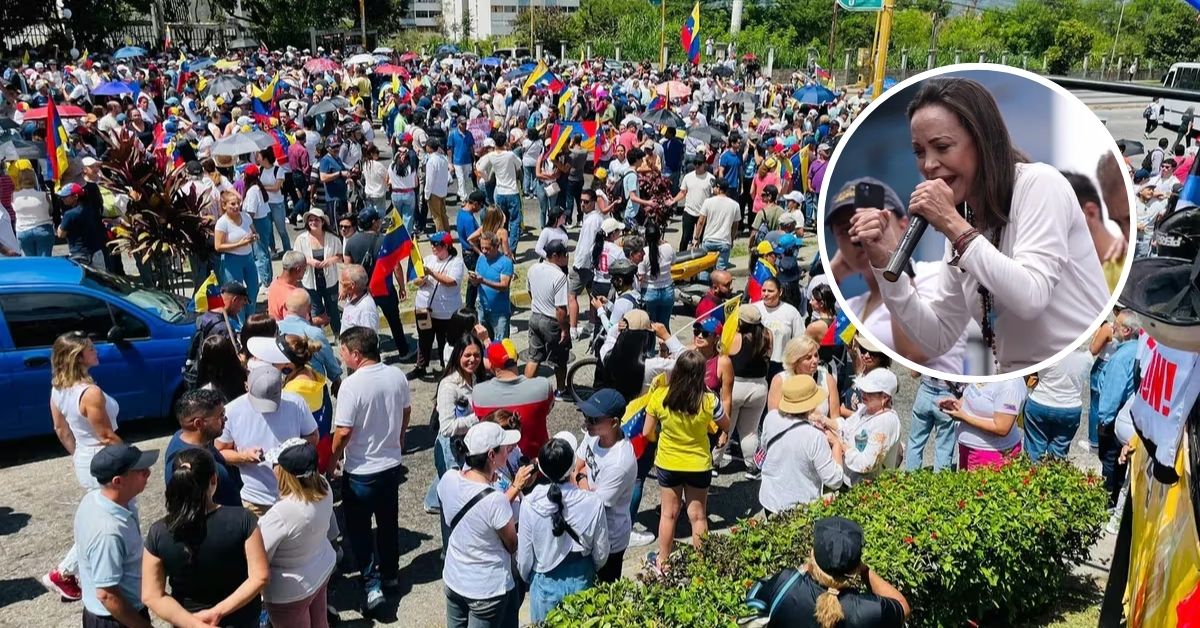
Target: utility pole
(1117, 37)
(833, 32)
(735, 17)
(662, 38)
(885, 32)
(362, 17)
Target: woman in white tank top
(800, 358)
(85, 421)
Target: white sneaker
(575, 333)
(640, 539)
(374, 598)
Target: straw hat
(801, 395)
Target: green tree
(911, 29)
(550, 26)
(281, 24)
(1072, 40)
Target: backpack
(192, 362)
(1148, 160)
(615, 189)
(1147, 112)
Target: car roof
(16, 271)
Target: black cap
(477, 197)
(193, 167)
(235, 288)
(300, 460)
(119, 459)
(555, 247)
(837, 546)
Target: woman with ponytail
(824, 592)
(212, 555)
(301, 378)
(654, 273)
(562, 535)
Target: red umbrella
(749, 56)
(409, 56)
(64, 111)
(389, 70)
(321, 64)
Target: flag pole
(662, 39)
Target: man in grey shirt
(549, 340)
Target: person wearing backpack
(1153, 114)
(797, 458)
(220, 320)
(1153, 159)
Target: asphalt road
(39, 494)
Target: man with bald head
(286, 283)
(721, 288)
(297, 320)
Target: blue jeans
(510, 204)
(240, 268)
(495, 322)
(1094, 403)
(380, 204)
(279, 219)
(660, 302)
(406, 204)
(443, 460)
(544, 202)
(37, 242)
(722, 250)
(574, 574)
(927, 418)
(529, 180)
(375, 495)
(325, 302)
(1049, 430)
(262, 251)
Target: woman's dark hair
(771, 192)
(598, 248)
(460, 347)
(979, 114)
(259, 324)
(268, 155)
(823, 295)
(477, 462)
(220, 366)
(686, 389)
(554, 461)
(463, 322)
(625, 366)
(755, 340)
(187, 498)
(254, 180)
(402, 168)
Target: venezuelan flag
(634, 420)
(262, 102)
(558, 140)
(763, 270)
(282, 142)
(208, 295)
(689, 35)
(394, 248)
(416, 265)
(56, 144)
(840, 333)
(543, 77)
(730, 330)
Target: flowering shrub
(991, 546)
(653, 186)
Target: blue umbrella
(129, 52)
(888, 83)
(201, 63)
(813, 95)
(524, 70)
(113, 88)
(447, 49)
(490, 61)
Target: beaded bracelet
(961, 242)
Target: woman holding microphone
(1019, 258)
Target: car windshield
(162, 304)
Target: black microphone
(900, 259)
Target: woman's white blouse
(1045, 279)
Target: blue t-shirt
(495, 301)
(85, 231)
(460, 145)
(465, 224)
(229, 480)
(732, 163)
(672, 155)
(335, 189)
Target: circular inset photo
(965, 223)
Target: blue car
(141, 335)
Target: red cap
(251, 170)
(406, 138)
(501, 354)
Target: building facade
(474, 19)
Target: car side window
(37, 319)
(133, 326)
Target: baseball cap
(709, 325)
(367, 217)
(867, 344)
(555, 247)
(764, 248)
(296, 455)
(622, 268)
(477, 197)
(845, 198)
(193, 167)
(749, 315)
(605, 402)
(786, 243)
(837, 545)
(637, 320)
(119, 459)
(441, 237)
(70, 189)
(264, 388)
(879, 380)
(486, 436)
(266, 349)
(801, 395)
(235, 288)
(611, 225)
(787, 219)
(501, 354)
(90, 161)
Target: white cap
(489, 143)
(90, 161)
(570, 439)
(267, 350)
(486, 436)
(794, 196)
(879, 380)
(611, 225)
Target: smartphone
(868, 195)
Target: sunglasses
(344, 227)
(700, 332)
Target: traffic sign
(861, 5)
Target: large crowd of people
(292, 410)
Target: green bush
(990, 546)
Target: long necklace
(986, 301)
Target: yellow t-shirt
(683, 439)
(1112, 272)
(313, 391)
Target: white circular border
(824, 196)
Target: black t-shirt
(789, 599)
(218, 569)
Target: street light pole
(1117, 36)
(362, 18)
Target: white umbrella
(234, 145)
(382, 50)
(361, 59)
(262, 139)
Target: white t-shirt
(296, 536)
(547, 289)
(879, 322)
(1061, 384)
(361, 313)
(375, 179)
(247, 428)
(609, 254)
(799, 465)
(784, 322)
(697, 190)
(872, 443)
(550, 234)
(477, 565)
(611, 474)
(254, 204)
(720, 213)
(666, 257)
(32, 208)
(446, 300)
(507, 168)
(985, 400)
(588, 232)
(373, 401)
(235, 233)
(270, 176)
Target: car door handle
(36, 361)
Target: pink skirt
(970, 458)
